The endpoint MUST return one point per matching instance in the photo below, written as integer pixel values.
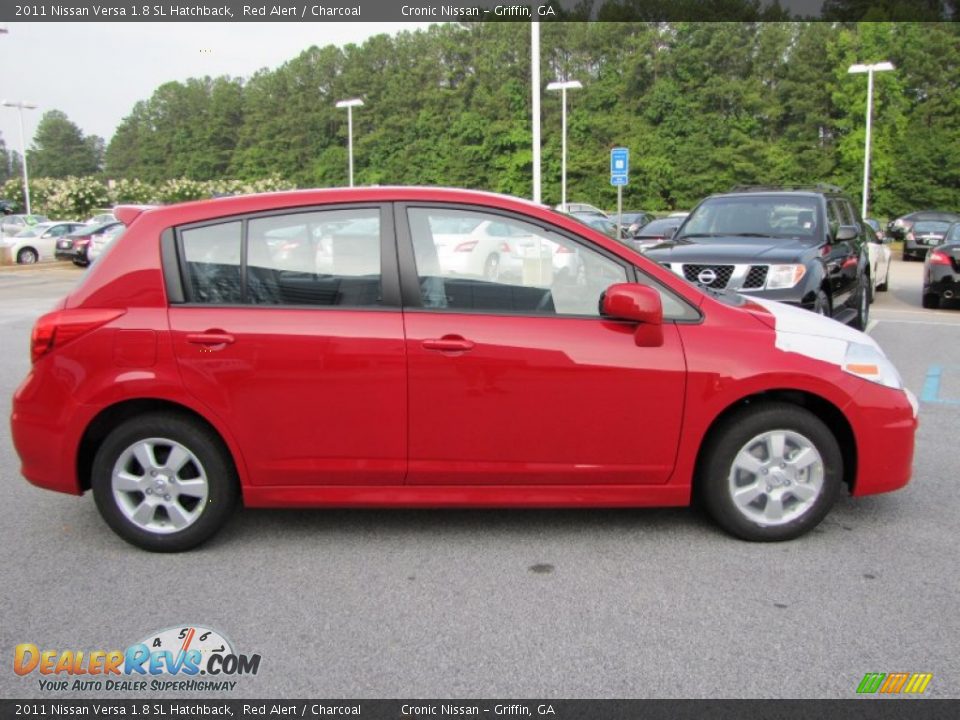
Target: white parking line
(914, 322)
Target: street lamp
(350, 105)
(563, 87)
(869, 70)
(21, 106)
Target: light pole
(23, 147)
(535, 104)
(869, 70)
(350, 105)
(563, 87)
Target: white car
(100, 241)
(490, 249)
(879, 253)
(11, 225)
(36, 243)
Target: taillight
(56, 329)
(939, 258)
(562, 249)
(504, 247)
(467, 246)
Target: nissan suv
(802, 246)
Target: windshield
(658, 228)
(753, 216)
(34, 231)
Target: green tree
(60, 149)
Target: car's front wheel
(164, 482)
(863, 304)
(27, 256)
(771, 472)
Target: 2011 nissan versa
(315, 348)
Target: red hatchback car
(312, 348)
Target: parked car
(11, 225)
(101, 241)
(654, 233)
(923, 235)
(880, 255)
(603, 224)
(876, 227)
(36, 243)
(7, 207)
(941, 270)
(178, 376)
(634, 220)
(74, 245)
(486, 248)
(101, 218)
(574, 208)
(803, 247)
(898, 227)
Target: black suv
(803, 246)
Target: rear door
(517, 379)
(289, 329)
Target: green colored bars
(892, 683)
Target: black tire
(80, 263)
(716, 465)
(821, 304)
(215, 464)
(931, 301)
(884, 286)
(27, 256)
(863, 304)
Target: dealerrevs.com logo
(179, 659)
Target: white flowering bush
(76, 197)
(135, 192)
(181, 190)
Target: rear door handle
(449, 343)
(211, 337)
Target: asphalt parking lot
(545, 604)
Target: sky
(95, 72)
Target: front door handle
(211, 337)
(449, 343)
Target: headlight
(871, 364)
(781, 277)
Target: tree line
(701, 106)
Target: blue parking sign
(619, 166)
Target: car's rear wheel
(27, 256)
(164, 482)
(931, 301)
(771, 472)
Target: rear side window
(212, 257)
(320, 258)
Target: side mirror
(846, 233)
(636, 303)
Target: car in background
(880, 254)
(101, 241)
(11, 225)
(603, 224)
(654, 233)
(101, 218)
(74, 245)
(876, 227)
(171, 388)
(575, 208)
(486, 249)
(679, 214)
(805, 247)
(7, 207)
(941, 270)
(898, 227)
(36, 243)
(633, 221)
(923, 235)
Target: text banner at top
(470, 11)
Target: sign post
(619, 176)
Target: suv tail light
(56, 329)
(467, 246)
(939, 258)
